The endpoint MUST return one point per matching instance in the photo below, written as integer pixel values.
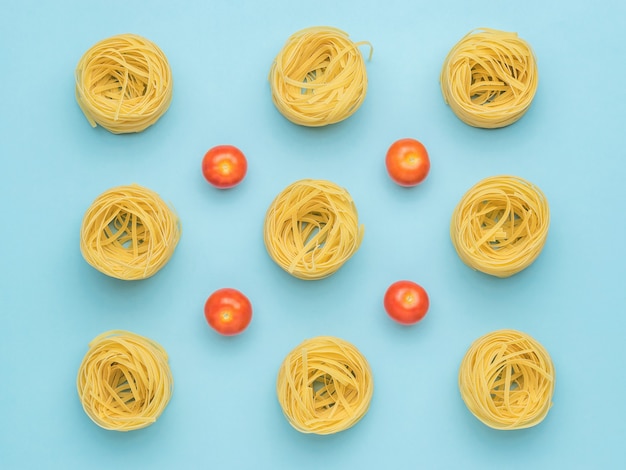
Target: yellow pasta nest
(489, 78)
(129, 233)
(324, 386)
(506, 380)
(500, 225)
(312, 228)
(124, 84)
(124, 381)
(319, 77)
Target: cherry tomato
(224, 166)
(406, 302)
(228, 311)
(407, 162)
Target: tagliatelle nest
(312, 228)
(500, 225)
(319, 77)
(324, 386)
(489, 78)
(506, 379)
(124, 381)
(124, 84)
(129, 233)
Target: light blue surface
(224, 412)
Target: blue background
(224, 412)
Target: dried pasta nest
(124, 84)
(506, 380)
(129, 233)
(499, 227)
(319, 77)
(312, 228)
(489, 78)
(324, 386)
(124, 381)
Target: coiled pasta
(506, 380)
(124, 381)
(129, 233)
(324, 386)
(489, 78)
(311, 229)
(319, 77)
(500, 225)
(124, 84)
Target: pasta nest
(124, 84)
(506, 380)
(129, 233)
(324, 386)
(312, 228)
(319, 77)
(124, 381)
(500, 225)
(489, 78)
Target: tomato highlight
(407, 162)
(406, 302)
(224, 166)
(228, 311)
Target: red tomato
(228, 311)
(406, 302)
(407, 162)
(224, 166)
